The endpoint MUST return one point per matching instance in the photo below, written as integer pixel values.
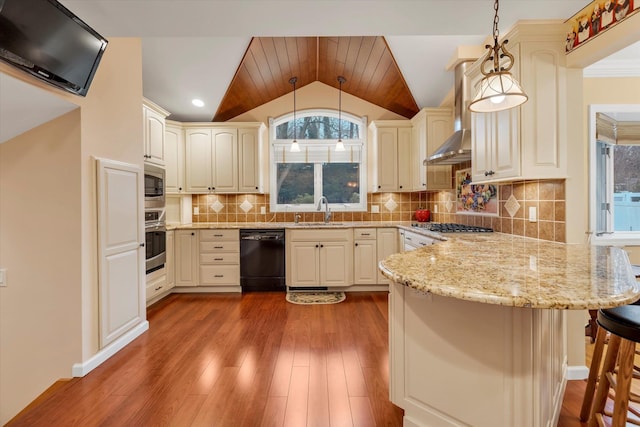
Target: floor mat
(315, 297)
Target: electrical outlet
(435, 208)
(196, 210)
(375, 209)
(263, 210)
(3, 277)
(533, 215)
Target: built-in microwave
(153, 186)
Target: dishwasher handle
(263, 236)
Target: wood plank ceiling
(367, 64)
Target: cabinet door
(365, 262)
(154, 137)
(304, 264)
(418, 154)
(249, 161)
(506, 144)
(404, 159)
(170, 263)
(334, 263)
(225, 160)
(439, 128)
(387, 164)
(198, 160)
(174, 159)
(387, 244)
(186, 257)
(481, 166)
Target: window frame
(608, 236)
(361, 143)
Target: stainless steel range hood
(457, 148)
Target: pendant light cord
(293, 81)
(340, 80)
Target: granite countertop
(516, 271)
(300, 225)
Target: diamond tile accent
(246, 206)
(217, 206)
(512, 206)
(391, 205)
(448, 205)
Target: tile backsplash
(547, 196)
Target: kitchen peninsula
(477, 325)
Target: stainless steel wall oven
(154, 218)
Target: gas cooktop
(451, 228)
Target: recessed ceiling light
(198, 102)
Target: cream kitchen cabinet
(391, 155)
(219, 258)
(365, 256)
(431, 127)
(174, 158)
(153, 118)
(169, 265)
(319, 257)
(526, 142)
(211, 160)
(387, 244)
(186, 257)
(223, 159)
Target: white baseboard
(577, 372)
(82, 369)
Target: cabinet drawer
(321, 235)
(220, 258)
(364, 233)
(216, 235)
(220, 275)
(221, 246)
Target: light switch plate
(533, 214)
(3, 277)
(263, 210)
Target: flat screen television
(47, 40)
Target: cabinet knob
(142, 245)
(379, 186)
(213, 188)
(193, 234)
(401, 186)
(180, 188)
(317, 246)
(322, 246)
(256, 188)
(356, 244)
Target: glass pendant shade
(339, 145)
(498, 91)
(295, 147)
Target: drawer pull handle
(218, 247)
(366, 234)
(217, 235)
(218, 259)
(158, 288)
(219, 275)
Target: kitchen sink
(318, 224)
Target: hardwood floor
(238, 360)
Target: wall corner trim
(577, 372)
(82, 369)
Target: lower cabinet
(387, 244)
(186, 257)
(169, 265)
(365, 256)
(319, 257)
(219, 258)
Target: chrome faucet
(327, 211)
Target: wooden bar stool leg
(594, 371)
(603, 385)
(623, 383)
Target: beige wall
(48, 234)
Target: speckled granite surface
(516, 271)
(264, 225)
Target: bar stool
(623, 324)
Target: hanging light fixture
(339, 144)
(295, 147)
(499, 90)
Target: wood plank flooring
(238, 360)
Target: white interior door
(121, 257)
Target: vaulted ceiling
(366, 63)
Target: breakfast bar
(477, 325)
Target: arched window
(300, 179)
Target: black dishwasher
(262, 260)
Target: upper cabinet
(174, 158)
(391, 148)
(431, 127)
(153, 118)
(223, 158)
(526, 142)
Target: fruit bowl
(422, 215)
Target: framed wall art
(479, 199)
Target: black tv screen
(47, 40)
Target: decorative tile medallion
(246, 206)
(391, 205)
(217, 206)
(512, 206)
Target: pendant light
(339, 144)
(499, 90)
(295, 147)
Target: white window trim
(611, 237)
(334, 207)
